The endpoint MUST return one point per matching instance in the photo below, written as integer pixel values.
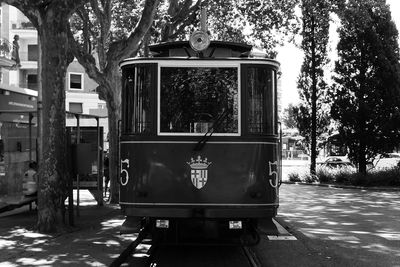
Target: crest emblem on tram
(199, 172)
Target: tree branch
(124, 48)
(86, 60)
(186, 16)
(26, 7)
(104, 18)
(87, 26)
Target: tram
(199, 137)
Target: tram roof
(217, 51)
(164, 48)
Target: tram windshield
(192, 99)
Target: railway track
(142, 253)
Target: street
(328, 226)
(351, 227)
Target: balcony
(24, 29)
(25, 25)
(33, 86)
(28, 60)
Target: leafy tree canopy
(311, 84)
(366, 96)
(288, 117)
(261, 23)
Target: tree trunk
(313, 101)
(53, 175)
(114, 115)
(362, 162)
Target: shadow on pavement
(355, 227)
(94, 241)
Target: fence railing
(294, 154)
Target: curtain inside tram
(138, 83)
(260, 100)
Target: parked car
(388, 160)
(337, 163)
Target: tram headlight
(199, 41)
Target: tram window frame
(273, 120)
(129, 125)
(200, 64)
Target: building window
(33, 53)
(75, 107)
(101, 106)
(75, 81)
(32, 81)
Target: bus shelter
(19, 148)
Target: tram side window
(261, 102)
(137, 99)
(195, 99)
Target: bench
(10, 203)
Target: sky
(291, 59)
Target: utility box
(82, 158)
(87, 156)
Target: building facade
(81, 96)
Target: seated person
(29, 182)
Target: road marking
(393, 237)
(343, 238)
(275, 231)
(281, 237)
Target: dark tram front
(199, 136)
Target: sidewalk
(95, 241)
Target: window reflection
(137, 100)
(194, 99)
(260, 106)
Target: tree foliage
(311, 84)
(289, 117)
(367, 80)
(261, 23)
(269, 22)
(302, 116)
(112, 30)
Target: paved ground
(354, 227)
(93, 242)
(334, 227)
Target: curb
(372, 188)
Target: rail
(131, 247)
(288, 154)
